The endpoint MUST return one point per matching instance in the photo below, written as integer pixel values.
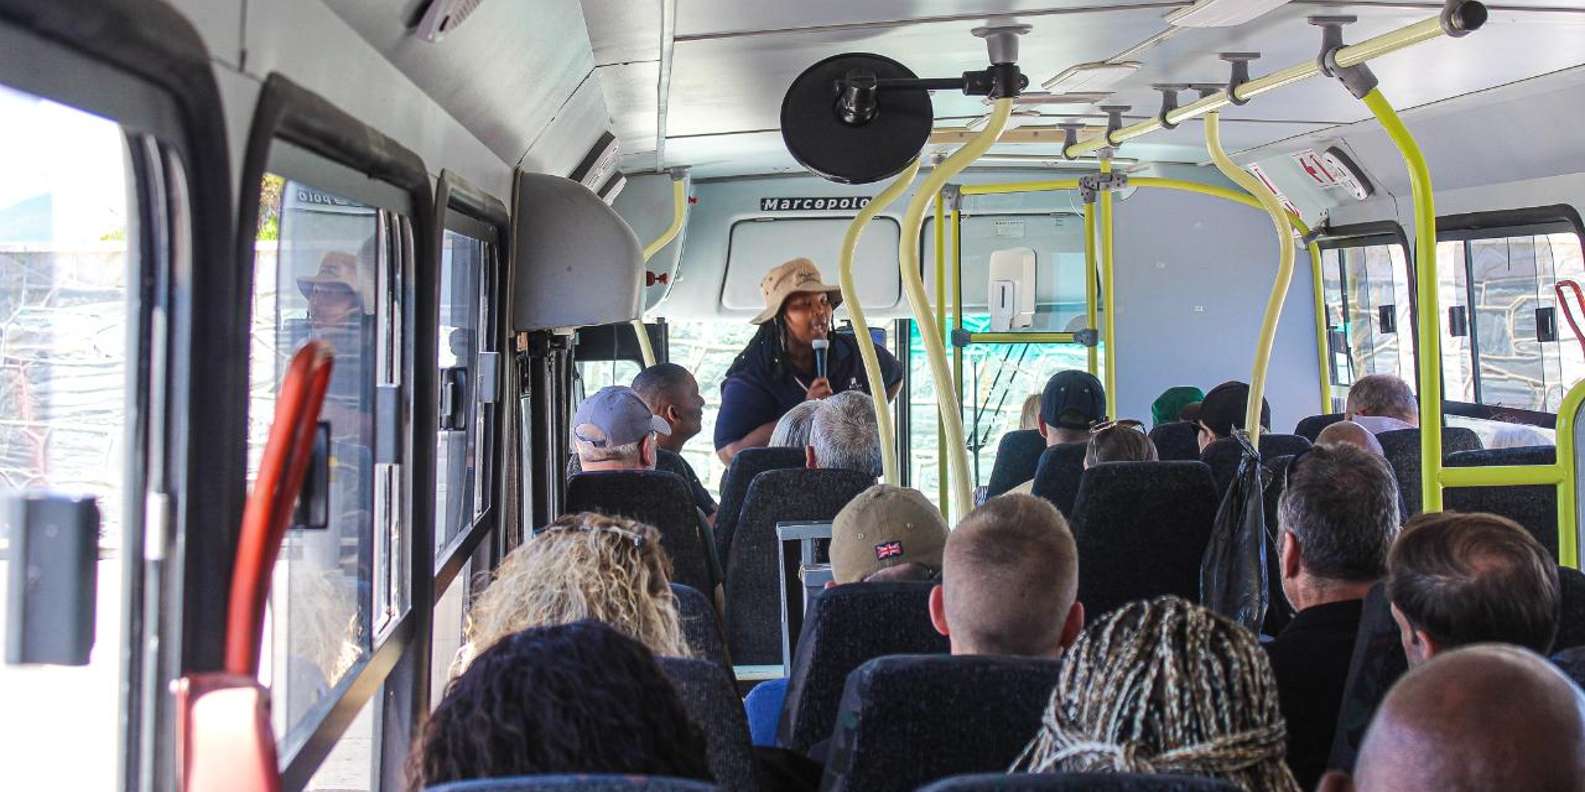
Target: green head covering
(1167, 406)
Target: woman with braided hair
(1165, 686)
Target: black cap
(1223, 408)
(1073, 400)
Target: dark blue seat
(1310, 428)
(1142, 529)
(1017, 455)
(577, 783)
(845, 627)
(1223, 455)
(1402, 449)
(753, 580)
(1176, 441)
(710, 697)
(701, 625)
(657, 498)
(907, 720)
(1534, 507)
(1571, 618)
(1079, 782)
(1057, 476)
(748, 463)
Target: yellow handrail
(1430, 334)
(953, 447)
(679, 209)
(1279, 289)
(1092, 351)
(1109, 294)
(850, 298)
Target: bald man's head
(1350, 433)
(1484, 717)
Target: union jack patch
(888, 550)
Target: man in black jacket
(1339, 516)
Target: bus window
(1366, 285)
(460, 489)
(67, 322)
(1458, 371)
(327, 268)
(706, 348)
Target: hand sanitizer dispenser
(1011, 291)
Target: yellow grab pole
(943, 484)
(957, 301)
(679, 209)
(1089, 284)
(1109, 294)
(1430, 356)
(850, 298)
(1323, 355)
(1279, 290)
(913, 285)
(1567, 497)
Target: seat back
(1534, 507)
(1310, 428)
(1176, 441)
(1141, 529)
(1017, 456)
(748, 463)
(1402, 449)
(1079, 782)
(1377, 662)
(710, 697)
(1571, 618)
(1278, 610)
(845, 627)
(1223, 455)
(577, 783)
(654, 497)
(907, 720)
(1057, 476)
(701, 626)
(753, 580)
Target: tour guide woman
(777, 369)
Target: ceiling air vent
(443, 16)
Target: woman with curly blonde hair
(1165, 686)
(582, 566)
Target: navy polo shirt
(752, 398)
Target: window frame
(1382, 232)
(1501, 224)
(143, 66)
(287, 113)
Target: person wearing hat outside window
(777, 370)
(1072, 402)
(614, 430)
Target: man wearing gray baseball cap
(614, 430)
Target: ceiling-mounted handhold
(1240, 73)
(1114, 120)
(1169, 101)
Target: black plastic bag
(1233, 570)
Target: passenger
(1072, 402)
(1350, 433)
(1382, 403)
(1168, 407)
(887, 533)
(777, 369)
(573, 698)
(1029, 416)
(1222, 410)
(615, 430)
(792, 429)
(1478, 718)
(1119, 441)
(582, 566)
(1190, 412)
(1010, 581)
(1512, 435)
(844, 436)
(1457, 579)
(672, 394)
(1338, 515)
(1164, 686)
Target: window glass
(450, 617)
(1342, 362)
(1057, 241)
(706, 348)
(1458, 372)
(327, 269)
(350, 765)
(457, 479)
(65, 329)
(1368, 314)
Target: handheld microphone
(820, 345)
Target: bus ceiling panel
(623, 31)
(629, 91)
(703, 100)
(733, 18)
(1514, 45)
(315, 48)
(220, 22)
(577, 262)
(567, 139)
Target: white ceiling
(731, 61)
